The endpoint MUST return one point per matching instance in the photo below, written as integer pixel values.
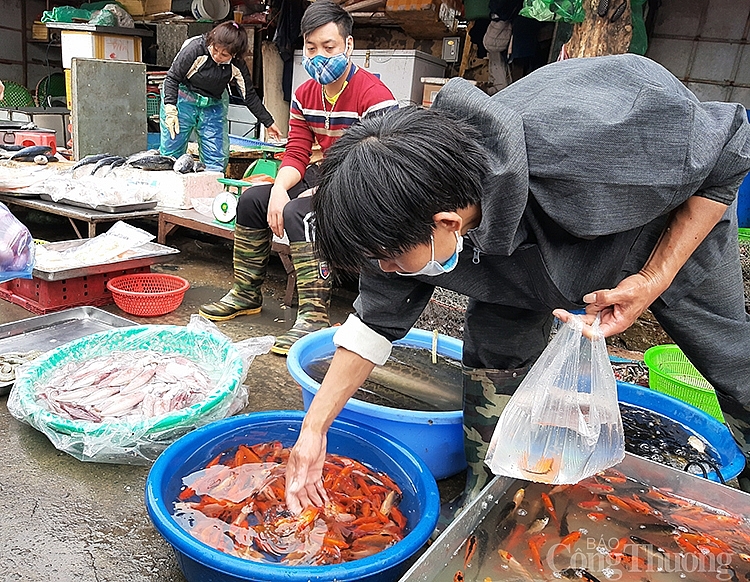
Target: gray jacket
(589, 158)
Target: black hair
(229, 36)
(386, 177)
(321, 12)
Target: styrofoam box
(400, 70)
(175, 190)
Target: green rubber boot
(251, 250)
(314, 294)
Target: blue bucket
(743, 199)
(436, 437)
(200, 563)
(731, 459)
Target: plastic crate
(671, 373)
(40, 296)
(153, 104)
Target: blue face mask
(434, 268)
(325, 70)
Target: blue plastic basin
(732, 461)
(201, 563)
(436, 437)
(743, 199)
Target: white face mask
(433, 268)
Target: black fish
(155, 162)
(31, 151)
(105, 162)
(198, 166)
(142, 154)
(655, 556)
(12, 147)
(115, 164)
(578, 574)
(89, 160)
(184, 164)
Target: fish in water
(153, 162)
(408, 381)
(30, 152)
(662, 439)
(184, 164)
(89, 160)
(106, 162)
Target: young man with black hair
(323, 108)
(600, 183)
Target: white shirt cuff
(356, 337)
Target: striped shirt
(364, 94)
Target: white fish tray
(144, 255)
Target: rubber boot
(314, 295)
(252, 248)
(486, 393)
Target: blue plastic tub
(732, 461)
(436, 437)
(743, 199)
(201, 563)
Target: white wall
(704, 44)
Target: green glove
(171, 119)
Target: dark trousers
(252, 210)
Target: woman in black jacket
(195, 95)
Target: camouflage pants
(486, 393)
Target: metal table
(91, 217)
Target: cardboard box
(39, 31)
(145, 7)
(431, 87)
(430, 90)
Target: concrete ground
(66, 520)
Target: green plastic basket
(215, 355)
(744, 233)
(153, 104)
(671, 373)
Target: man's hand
(171, 120)
(278, 200)
(304, 472)
(618, 308)
(273, 133)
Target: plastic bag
(549, 10)
(65, 14)
(563, 423)
(16, 247)
(136, 437)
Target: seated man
(323, 108)
(599, 182)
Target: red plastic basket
(148, 294)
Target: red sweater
(364, 94)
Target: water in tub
(607, 527)
(409, 380)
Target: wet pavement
(66, 520)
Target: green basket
(153, 103)
(671, 373)
(744, 233)
(215, 355)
